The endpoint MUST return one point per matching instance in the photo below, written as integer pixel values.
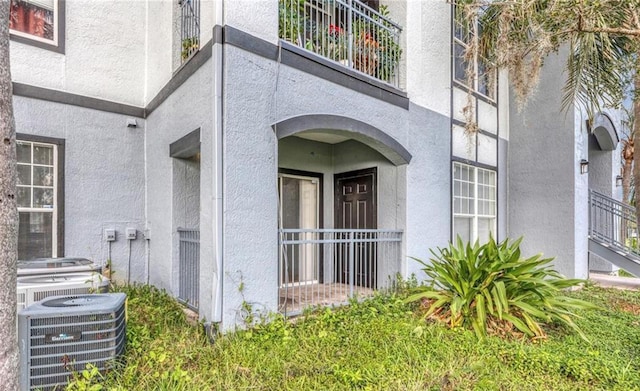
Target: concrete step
(609, 281)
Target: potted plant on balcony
(337, 44)
(189, 46)
(376, 51)
(390, 52)
(291, 20)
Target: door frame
(305, 174)
(373, 171)
(372, 274)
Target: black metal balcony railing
(189, 28)
(346, 31)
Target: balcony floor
(294, 299)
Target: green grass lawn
(377, 344)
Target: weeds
(375, 344)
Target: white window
(463, 35)
(474, 202)
(37, 199)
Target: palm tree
(628, 151)
(627, 166)
(603, 38)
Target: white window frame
(475, 216)
(54, 208)
(316, 253)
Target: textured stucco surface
(104, 178)
(547, 193)
(256, 17)
(127, 51)
(163, 44)
(251, 162)
(428, 53)
(106, 60)
(503, 186)
(187, 109)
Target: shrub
(492, 288)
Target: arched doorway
(342, 194)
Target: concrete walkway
(609, 281)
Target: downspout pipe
(218, 81)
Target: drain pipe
(218, 62)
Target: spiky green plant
(491, 287)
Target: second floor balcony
(356, 34)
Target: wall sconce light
(584, 166)
(618, 180)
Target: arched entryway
(342, 192)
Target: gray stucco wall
(603, 166)
(503, 186)
(547, 193)
(104, 178)
(251, 163)
(188, 108)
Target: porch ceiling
(345, 128)
(323, 137)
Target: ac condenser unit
(48, 266)
(36, 288)
(64, 333)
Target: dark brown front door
(356, 209)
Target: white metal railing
(346, 31)
(189, 265)
(329, 266)
(612, 222)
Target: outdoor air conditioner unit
(36, 288)
(64, 333)
(47, 266)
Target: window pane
(24, 152)
(42, 176)
(484, 227)
(460, 71)
(484, 78)
(24, 174)
(462, 30)
(471, 222)
(35, 235)
(24, 197)
(42, 198)
(462, 227)
(43, 155)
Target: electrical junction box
(131, 233)
(110, 235)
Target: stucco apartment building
(265, 155)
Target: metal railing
(320, 267)
(189, 267)
(612, 222)
(346, 31)
(189, 28)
